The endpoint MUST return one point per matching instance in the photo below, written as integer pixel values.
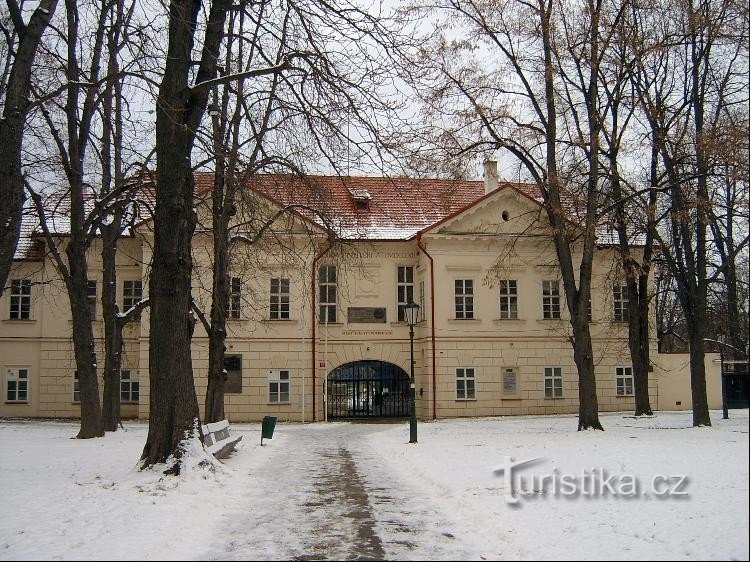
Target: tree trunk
(112, 328)
(83, 341)
(638, 337)
(701, 416)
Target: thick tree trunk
(15, 108)
(588, 403)
(83, 341)
(638, 336)
(112, 329)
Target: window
(234, 300)
(279, 298)
(405, 289)
(327, 292)
(550, 299)
(233, 368)
(510, 381)
(622, 305)
(624, 381)
(508, 298)
(20, 299)
(132, 294)
(17, 385)
(553, 382)
(76, 387)
(91, 298)
(465, 384)
(464, 294)
(278, 386)
(129, 387)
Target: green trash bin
(266, 432)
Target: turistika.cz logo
(593, 483)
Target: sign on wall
(366, 315)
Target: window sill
(462, 320)
(466, 399)
(509, 319)
(278, 403)
(330, 323)
(554, 397)
(550, 319)
(17, 403)
(624, 395)
(21, 320)
(280, 321)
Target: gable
(505, 211)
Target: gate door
(368, 389)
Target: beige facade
(498, 361)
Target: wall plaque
(365, 315)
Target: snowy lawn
(344, 490)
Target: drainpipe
(432, 322)
(314, 278)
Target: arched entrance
(368, 389)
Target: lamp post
(411, 311)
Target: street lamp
(411, 312)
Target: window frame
(463, 301)
(462, 379)
(20, 299)
(620, 303)
(508, 299)
(278, 297)
(130, 382)
(76, 388)
(553, 374)
(404, 290)
(327, 285)
(132, 295)
(621, 374)
(551, 306)
(18, 380)
(233, 306)
(276, 377)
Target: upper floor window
(234, 300)
(421, 300)
(279, 298)
(91, 298)
(132, 294)
(550, 299)
(20, 299)
(405, 289)
(129, 386)
(621, 303)
(17, 385)
(327, 293)
(464, 298)
(508, 298)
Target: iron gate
(368, 389)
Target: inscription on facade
(365, 315)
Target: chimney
(490, 175)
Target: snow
(346, 490)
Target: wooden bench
(217, 440)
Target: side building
(321, 272)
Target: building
(316, 327)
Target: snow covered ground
(360, 491)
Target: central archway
(368, 389)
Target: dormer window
(361, 198)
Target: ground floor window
(129, 386)
(553, 382)
(233, 369)
(465, 388)
(76, 387)
(278, 386)
(624, 381)
(17, 385)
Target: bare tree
(22, 41)
(533, 90)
